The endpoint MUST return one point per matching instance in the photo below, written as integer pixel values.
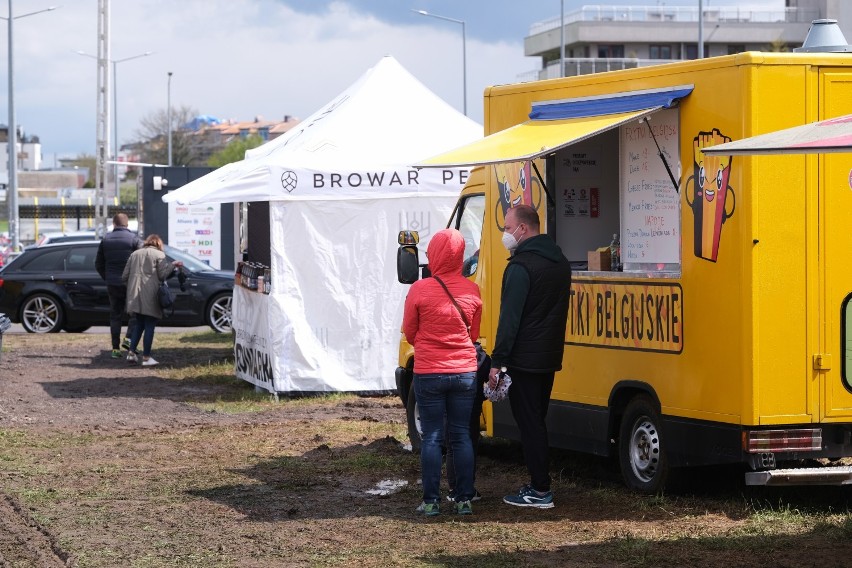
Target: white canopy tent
(340, 187)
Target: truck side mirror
(407, 264)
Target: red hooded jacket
(431, 322)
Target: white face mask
(509, 240)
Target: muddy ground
(107, 464)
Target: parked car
(55, 287)
(53, 238)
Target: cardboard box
(600, 260)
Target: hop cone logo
(288, 180)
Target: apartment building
(609, 37)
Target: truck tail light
(800, 439)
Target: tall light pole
(115, 63)
(464, 50)
(169, 114)
(12, 137)
(562, 38)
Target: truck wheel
(641, 453)
(415, 429)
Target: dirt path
(106, 464)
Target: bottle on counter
(615, 253)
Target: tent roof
(386, 120)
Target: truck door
(835, 186)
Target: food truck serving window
(611, 160)
(615, 183)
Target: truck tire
(415, 430)
(641, 452)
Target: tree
(153, 137)
(88, 162)
(234, 151)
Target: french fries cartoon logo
(516, 186)
(711, 198)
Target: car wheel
(641, 453)
(76, 328)
(41, 313)
(415, 428)
(219, 312)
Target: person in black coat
(113, 252)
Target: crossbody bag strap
(456, 304)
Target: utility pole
(102, 149)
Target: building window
(610, 51)
(660, 52)
(692, 51)
(736, 48)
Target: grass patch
(195, 338)
(239, 403)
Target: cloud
(231, 60)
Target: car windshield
(190, 262)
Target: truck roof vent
(824, 36)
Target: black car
(56, 287)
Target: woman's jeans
(447, 397)
(146, 324)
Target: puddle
(387, 487)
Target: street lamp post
(115, 63)
(169, 114)
(464, 50)
(12, 137)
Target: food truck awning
(826, 136)
(556, 124)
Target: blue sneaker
(429, 509)
(529, 497)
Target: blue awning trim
(628, 101)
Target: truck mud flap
(835, 475)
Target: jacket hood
(446, 252)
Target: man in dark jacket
(530, 341)
(113, 252)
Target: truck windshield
(468, 218)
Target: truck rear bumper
(833, 475)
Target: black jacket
(113, 252)
(533, 308)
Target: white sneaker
(149, 362)
(131, 357)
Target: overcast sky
(239, 59)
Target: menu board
(650, 204)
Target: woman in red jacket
(442, 323)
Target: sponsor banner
(197, 229)
(305, 183)
(252, 351)
(626, 315)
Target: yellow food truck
(726, 337)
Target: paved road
(17, 328)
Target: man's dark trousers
(117, 300)
(529, 398)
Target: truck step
(834, 475)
